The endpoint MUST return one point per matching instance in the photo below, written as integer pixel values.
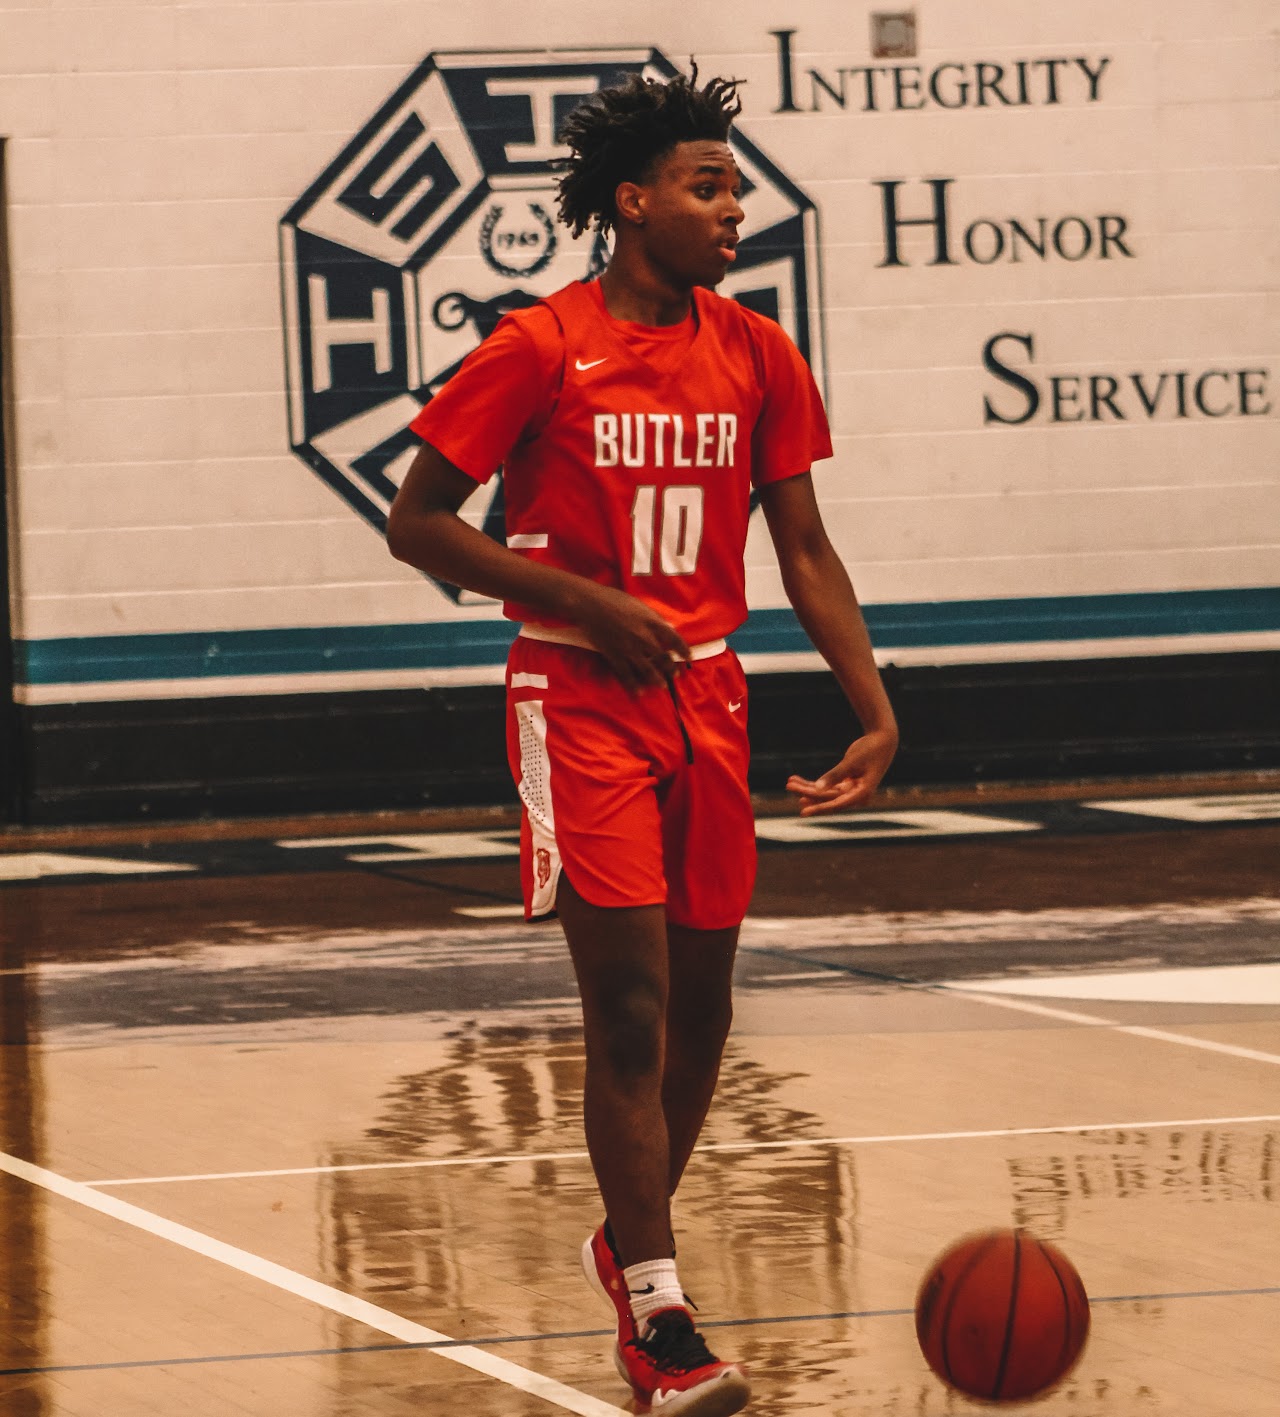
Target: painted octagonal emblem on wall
(437, 218)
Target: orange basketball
(1002, 1316)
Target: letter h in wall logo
(438, 218)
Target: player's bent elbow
(397, 532)
(409, 534)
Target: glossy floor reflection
(302, 1150)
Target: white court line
(518, 1158)
(907, 826)
(1187, 1040)
(40, 865)
(383, 1320)
(418, 846)
(1238, 807)
(1234, 984)
(798, 974)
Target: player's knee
(699, 1031)
(702, 1012)
(630, 1032)
(718, 1022)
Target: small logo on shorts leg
(735, 706)
(542, 867)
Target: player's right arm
(424, 530)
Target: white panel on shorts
(535, 767)
(535, 793)
(529, 681)
(528, 541)
(545, 867)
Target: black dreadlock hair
(618, 133)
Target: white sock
(653, 1286)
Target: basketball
(1002, 1316)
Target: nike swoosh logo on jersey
(733, 708)
(582, 368)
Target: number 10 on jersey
(674, 526)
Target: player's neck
(633, 290)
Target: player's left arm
(819, 589)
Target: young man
(634, 415)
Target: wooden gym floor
(289, 1119)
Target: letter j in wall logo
(438, 218)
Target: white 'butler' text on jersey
(643, 440)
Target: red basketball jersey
(632, 470)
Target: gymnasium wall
(1029, 250)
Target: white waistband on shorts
(570, 635)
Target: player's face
(691, 211)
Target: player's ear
(629, 200)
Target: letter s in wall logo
(457, 164)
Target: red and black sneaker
(672, 1371)
(603, 1269)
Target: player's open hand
(642, 648)
(853, 780)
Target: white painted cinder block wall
(152, 150)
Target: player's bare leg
(699, 1013)
(620, 958)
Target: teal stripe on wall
(340, 649)
(1036, 619)
(460, 644)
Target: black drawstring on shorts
(684, 732)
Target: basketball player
(634, 414)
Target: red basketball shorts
(640, 798)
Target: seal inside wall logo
(518, 239)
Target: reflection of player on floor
(634, 414)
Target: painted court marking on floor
(1265, 1291)
(415, 846)
(348, 1305)
(809, 934)
(566, 1335)
(1238, 807)
(799, 934)
(794, 976)
(40, 865)
(517, 1158)
(967, 990)
(905, 826)
(1244, 984)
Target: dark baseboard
(1052, 719)
(165, 760)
